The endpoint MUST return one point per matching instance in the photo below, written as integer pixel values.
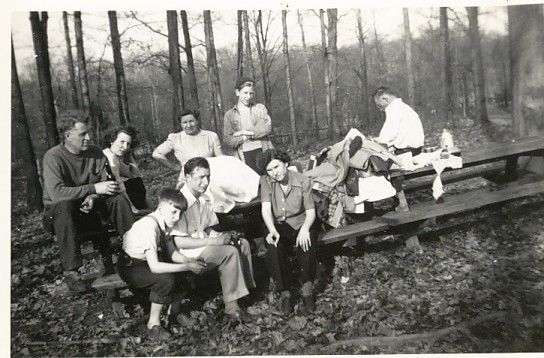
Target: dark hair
(193, 163)
(269, 155)
(195, 113)
(111, 136)
(241, 82)
(67, 120)
(173, 196)
(382, 90)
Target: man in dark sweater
(78, 196)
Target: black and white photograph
(158, 150)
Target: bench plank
(463, 202)
(453, 204)
(109, 282)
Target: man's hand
(303, 239)
(107, 188)
(223, 239)
(88, 204)
(272, 238)
(196, 266)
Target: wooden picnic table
(424, 214)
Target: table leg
(412, 241)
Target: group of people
(85, 186)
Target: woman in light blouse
(192, 141)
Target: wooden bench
(419, 213)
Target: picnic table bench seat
(420, 212)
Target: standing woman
(191, 142)
(247, 126)
(288, 212)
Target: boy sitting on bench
(150, 260)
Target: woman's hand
(272, 238)
(303, 239)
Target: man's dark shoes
(74, 283)
(286, 305)
(157, 333)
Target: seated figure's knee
(245, 246)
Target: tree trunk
(175, 67)
(41, 51)
(122, 101)
(379, 56)
(332, 16)
(447, 76)
(22, 131)
(288, 77)
(315, 125)
(409, 59)
(363, 78)
(505, 85)
(213, 73)
(262, 60)
(526, 36)
(70, 60)
(82, 67)
(249, 56)
(240, 58)
(327, 75)
(191, 77)
(477, 63)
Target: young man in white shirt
(402, 130)
(195, 238)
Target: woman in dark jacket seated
(125, 170)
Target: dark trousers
(277, 258)
(67, 222)
(250, 158)
(137, 274)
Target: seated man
(77, 196)
(149, 260)
(402, 131)
(196, 238)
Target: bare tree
(214, 83)
(315, 125)
(288, 77)
(41, 51)
(70, 60)
(363, 73)
(82, 67)
(22, 131)
(447, 76)
(332, 16)
(264, 59)
(122, 101)
(175, 66)
(191, 77)
(249, 55)
(240, 52)
(327, 74)
(526, 37)
(477, 63)
(409, 60)
(379, 54)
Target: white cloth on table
(439, 165)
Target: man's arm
(55, 184)
(263, 127)
(229, 130)
(187, 242)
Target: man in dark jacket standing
(79, 196)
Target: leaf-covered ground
(382, 297)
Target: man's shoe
(309, 304)
(286, 306)
(157, 333)
(74, 283)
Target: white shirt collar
(191, 198)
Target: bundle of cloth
(231, 182)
